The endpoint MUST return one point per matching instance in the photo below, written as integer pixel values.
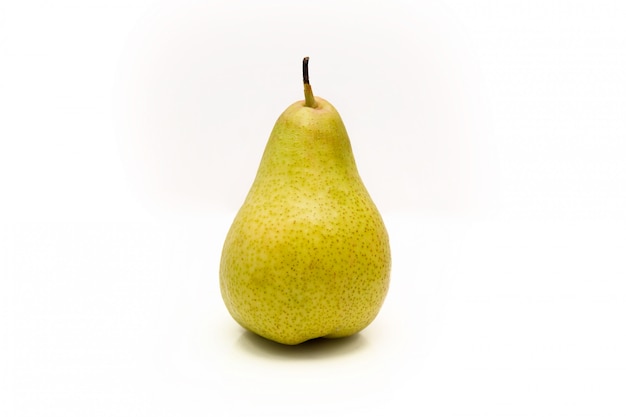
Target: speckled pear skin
(307, 255)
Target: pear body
(308, 254)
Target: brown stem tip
(305, 69)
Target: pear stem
(309, 98)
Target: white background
(491, 134)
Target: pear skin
(308, 254)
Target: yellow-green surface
(307, 255)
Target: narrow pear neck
(308, 143)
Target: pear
(307, 255)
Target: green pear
(307, 255)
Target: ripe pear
(307, 255)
